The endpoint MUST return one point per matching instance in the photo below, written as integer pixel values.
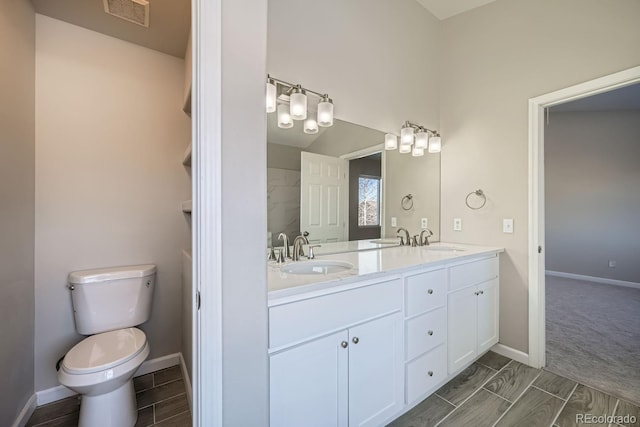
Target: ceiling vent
(136, 11)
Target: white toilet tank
(112, 298)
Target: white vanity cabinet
(472, 311)
(339, 358)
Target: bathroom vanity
(362, 346)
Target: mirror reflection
(340, 184)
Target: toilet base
(117, 408)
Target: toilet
(107, 305)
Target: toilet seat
(104, 351)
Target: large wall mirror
(341, 185)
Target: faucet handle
(272, 254)
(414, 241)
(312, 255)
(401, 240)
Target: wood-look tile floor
(498, 391)
(161, 397)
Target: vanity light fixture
(290, 100)
(414, 139)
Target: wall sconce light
(414, 139)
(296, 96)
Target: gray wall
(494, 59)
(592, 193)
(283, 157)
(17, 195)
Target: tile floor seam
(608, 393)
(501, 397)
(450, 403)
(482, 364)
(163, 400)
(549, 393)
(167, 382)
(517, 398)
(615, 408)
(44, 423)
(553, 423)
(174, 416)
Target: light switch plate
(507, 225)
(424, 223)
(457, 224)
(612, 263)
(394, 221)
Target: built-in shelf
(186, 206)
(186, 159)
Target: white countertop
(367, 264)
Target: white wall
(110, 134)
(17, 195)
(494, 59)
(592, 199)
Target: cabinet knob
(430, 291)
(355, 340)
(429, 333)
(481, 292)
(344, 344)
(430, 373)
(476, 293)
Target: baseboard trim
(512, 353)
(25, 414)
(593, 279)
(61, 392)
(187, 381)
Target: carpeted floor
(593, 335)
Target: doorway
(365, 197)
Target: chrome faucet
(285, 241)
(311, 254)
(424, 241)
(298, 250)
(407, 240)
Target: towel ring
(407, 202)
(478, 193)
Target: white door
(376, 390)
(323, 188)
(309, 384)
(488, 302)
(462, 311)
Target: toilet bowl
(101, 369)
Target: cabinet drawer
(419, 380)
(473, 273)
(425, 332)
(426, 291)
(302, 320)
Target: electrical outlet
(424, 223)
(507, 225)
(612, 263)
(457, 224)
(394, 221)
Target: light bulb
(405, 148)
(298, 104)
(310, 126)
(422, 139)
(406, 135)
(284, 119)
(390, 141)
(325, 112)
(417, 152)
(271, 96)
(435, 144)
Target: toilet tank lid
(112, 273)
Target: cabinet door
(376, 380)
(462, 310)
(488, 303)
(309, 384)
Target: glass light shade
(284, 118)
(435, 144)
(406, 136)
(422, 139)
(310, 126)
(390, 141)
(298, 105)
(405, 148)
(417, 152)
(325, 113)
(271, 97)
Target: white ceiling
(625, 98)
(169, 22)
(443, 9)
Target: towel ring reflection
(478, 193)
(407, 202)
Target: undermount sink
(444, 249)
(317, 267)
(385, 241)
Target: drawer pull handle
(430, 291)
(429, 333)
(344, 344)
(430, 373)
(355, 340)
